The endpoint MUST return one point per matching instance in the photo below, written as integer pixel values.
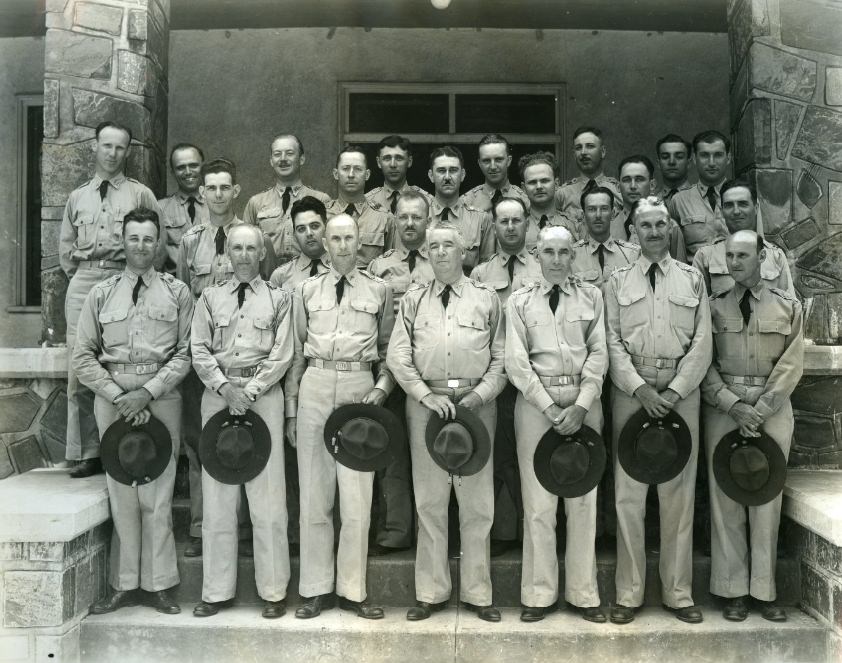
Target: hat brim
(378, 413)
(592, 442)
(722, 468)
(638, 469)
(109, 451)
(259, 458)
(482, 441)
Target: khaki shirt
(177, 221)
(771, 345)
(258, 334)
(570, 341)
(671, 323)
(265, 209)
(291, 273)
(617, 253)
(495, 272)
(475, 227)
(357, 329)
(569, 195)
(376, 226)
(92, 229)
(465, 340)
(667, 194)
(115, 330)
(554, 218)
(774, 271)
(393, 267)
(382, 195)
(480, 196)
(700, 224)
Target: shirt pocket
(726, 324)
(269, 220)
(221, 335)
(372, 238)
(264, 333)
(774, 326)
(115, 327)
(399, 286)
(683, 312)
(85, 231)
(199, 278)
(589, 275)
(427, 331)
(472, 331)
(695, 228)
(164, 323)
(364, 320)
(634, 312)
(322, 316)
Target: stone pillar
(104, 59)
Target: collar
(350, 277)
(703, 188)
(256, 283)
(664, 264)
(148, 276)
(489, 190)
(534, 215)
(598, 178)
(115, 181)
(503, 257)
(389, 190)
(609, 244)
(567, 286)
(756, 291)
(403, 252)
(359, 206)
(436, 207)
(302, 262)
(456, 287)
(666, 188)
(279, 188)
(182, 197)
(226, 228)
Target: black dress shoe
(735, 609)
(193, 547)
(313, 606)
(499, 548)
(115, 601)
(422, 610)
(245, 548)
(533, 614)
(376, 550)
(621, 614)
(163, 602)
(689, 614)
(362, 608)
(772, 612)
(209, 609)
(487, 613)
(593, 614)
(274, 609)
(86, 468)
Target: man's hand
(656, 406)
(290, 431)
(375, 397)
(252, 391)
(553, 413)
(471, 401)
(140, 418)
(671, 396)
(439, 404)
(571, 420)
(236, 399)
(132, 403)
(747, 418)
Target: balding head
(555, 253)
(341, 241)
(245, 250)
(744, 251)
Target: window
(530, 116)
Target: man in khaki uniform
(589, 152)
(186, 207)
(447, 173)
(757, 362)
(394, 159)
(132, 350)
(539, 177)
(376, 225)
(494, 159)
(270, 209)
(673, 154)
(242, 346)
(447, 347)
(659, 345)
(90, 251)
(309, 217)
(739, 210)
(557, 358)
(343, 320)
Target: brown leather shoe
(163, 602)
(362, 608)
(86, 468)
(735, 609)
(622, 614)
(117, 600)
(313, 606)
(193, 547)
(487, 613)
(423, 610)
(274, 609)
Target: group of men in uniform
(485, 323)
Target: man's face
(140, 241)
(111, 150)
(540, 183)
(245, 250)
(219, 193)
(341, 241)
(510, 226)
(711, 161)
(673, 160)
(309, 230)
(351, 173)
(589, 152)
(394, 162)
(743, 260)
(447, 175)
(445, 253)
(555, 257)
(186, 164)
(598, 213)
(411, 221)
(738, 210)
(494, 162)
(635, 182)
(653, 232)
(286, 159)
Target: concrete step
(140, 635)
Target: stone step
(140, 635)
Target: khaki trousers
(676, 508)
(267, 506)
(475, 495)
(142, 543)
(539, 579)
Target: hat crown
(749, 468)
(454, 444)
(234, 446)
(656, 447)
(364, 437)
(135, 451)
(569, 462)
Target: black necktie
(410, 259)
(103, 189)
(445, 295)
(671, 193)
(651, 273)
(591, 184)
(241, 294)
(394, 198)
(136, 290)
(351, 211)
(285, 199)
(543, 222)
(220, 241)
(600, 254)
(191, 208)
(627, 225)
(554, 294)
(445, 214)
(510, 265)
(314, 267)
(745, 306)
(711, 197)
(496, 197)
(340, 290)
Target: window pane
(34, 136)
(506, 113)
(394, 113)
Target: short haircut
(255, 230)
(186, 146)
(113, 125)
(547, 231)
(711, 136)
(585, 129)
(739, 182)
(507, 199)
(219, 165)
(493, 139)
(293, 136)
(446, 151)
(673, 138)
(535, 159)
(446, 225)
(352, 149)
(650, 202)
(593, 190)
(142, 215)
(308, 204)
(395, 141)
(409, 196)
(637, 158)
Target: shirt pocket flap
(365, 305)
(498, 285)
(399, 286)
(629, 298)
(691, 219)
(683, 300)
(372, 239)
(468, 320)
(201, 270)
(589, 275)
(221, 323)
(269, 213)
(722, 323)
(578, 314)
(774, 326)
(316, 304)
(83, 219)
(535, 319)
(164, 314)
(113, 315)
(263, 323)
(174, 222)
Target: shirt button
(236, 354)
(239, 335)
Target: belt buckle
(140, 369)
(249, 372)
(101, 264)
(453, 384)
(343, 366)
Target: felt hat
(749, 470)
(654, 451)
(136, 455)
(459, 446)
(570, 465)
(235, 448)
(361, 436)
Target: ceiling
(26, 17)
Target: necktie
(410, 259)
(671, 193)
(136, 290)
(220, 241)
(600, 254)
(651, 273)
(445, 214)
(591, 184)
(191, 208)
(496, 197)
(351, 211)
(314, 267)
(745, 306)
(711, 197)
(554, 294)
(543, 222)
(510, 265)
(627, 225)
(285, 199)
(103, 189)
(340, 290)
(394, 198)
(241, 294)
(445, 296)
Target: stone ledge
(813, 499)
(33, 362)
(823, 360)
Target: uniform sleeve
(623, 373)
(785, 279)
(389, 236)
(494, 380)
(273, 368)
(299, 361)
(250, 212)
(678, 250)
(693, 366)
(87, 349)
(596, 364)
(784, 377)
(518, 366)
(67, 239)
(399, 355)
(699, 263)
(182, 267)
(487, 241)
(385, 326)
(178, 365)
(201, 345)
(270, 261)
(716, 393)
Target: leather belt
(747, 380)
(340, 365)
(454, 383)
(654, 362)
(101, 264)
(136, 369)
(246, 372)
(559, 380)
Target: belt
(453, 383)
(136, 369)
(340, 365)
(101, 264)
(655, 362)
(748, 380)
(559, 380)
(247, 372)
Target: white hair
(445, 225)
(553, 232)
